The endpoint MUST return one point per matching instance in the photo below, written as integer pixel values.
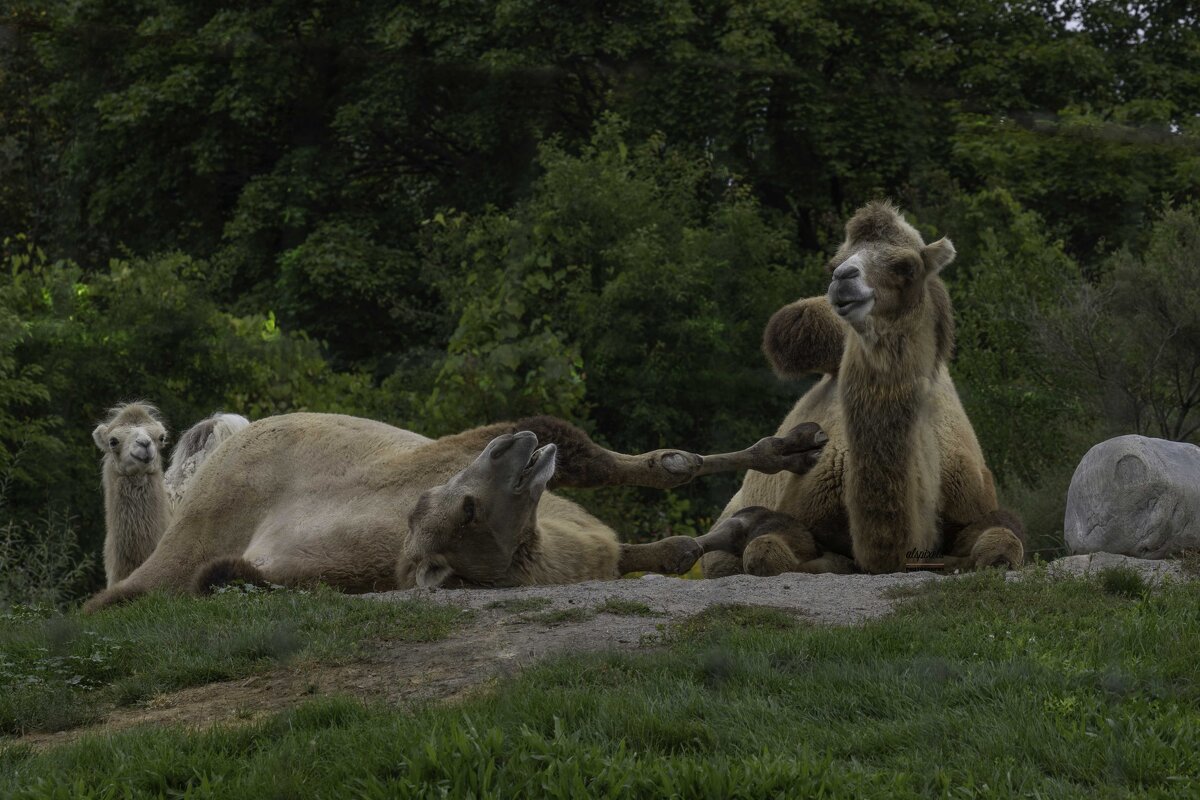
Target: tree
(1131, 344)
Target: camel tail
(224, 571)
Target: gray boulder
(1136, 496)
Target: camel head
(132, 439)
(471, 526)
(884, 268)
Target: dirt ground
(512, 628)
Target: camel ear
(938, 255)
(100, 435)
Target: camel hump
(195, 446)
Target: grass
(975, 688)
(59, 671)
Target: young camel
(136, 510)
(138, 497)
(903, 475)
(363, 506)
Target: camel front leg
(797, 451)
(584, 464)
(674, 555)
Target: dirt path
(512, 628)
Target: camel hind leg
(758, 541)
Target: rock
(1136, 496)
(1152, 570)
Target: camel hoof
(681, 464)
(729, 536)
(799, 449)
(680, 554)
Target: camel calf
(362, 506)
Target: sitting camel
(362, 506)
(903, 476)
(138, 498)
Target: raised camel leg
(584, 464)
(995, 540)
(758, 541)
(674, 555)
(804, 337)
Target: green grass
(59, 671)
(1124, 582)
(976, 688)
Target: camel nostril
(847, 272)
(502, 444)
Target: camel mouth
(536, 460)
(848, 306)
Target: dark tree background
(445, 213)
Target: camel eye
(113, 442)
(903, 268)
(162, 439)
(468, 508)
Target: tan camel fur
(135, 502)
(305, 498)
(903, 476)
(138, 497)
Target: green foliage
(1130, 344)
(77, 343)
(440, 214)
(1007, 270)
(653, 263)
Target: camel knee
(769, 555)
(719, 564)
(997, 547)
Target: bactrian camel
(903, 476)
(138, 498)
(304, 498)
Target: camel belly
(319, 540)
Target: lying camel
(362, 506)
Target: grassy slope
(60, 671)
(977, 688)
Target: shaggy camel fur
(135, 501)
(194, 448)
(138, 498)
(362, 506)
(903, 475)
